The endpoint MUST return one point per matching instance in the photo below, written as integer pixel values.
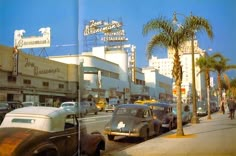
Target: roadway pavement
(214, 137)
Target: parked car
(75, 107)
(163, 111)
(39, 131)
(202, 108)
(186, 112)
(214, 106)
(30, 103)
(89, 106)
(7, 106)
(132, 120)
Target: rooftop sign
(100, 26)
(22, 42)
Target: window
(11, 79)
(45, 84)
(25, 81)
(61, 86)
(29, 121)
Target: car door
(66, 140)
(72, 136)
(149, 119)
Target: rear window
(29, 121)
(67, 104)
(130, 112)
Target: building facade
(27, 77)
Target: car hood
(13, 138)
(124, 123)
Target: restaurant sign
(100, 26)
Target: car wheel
(96, 153)
(1, 119)
(48, 153)
(146, 136)
(170, 126)
(111, 137)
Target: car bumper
(201, 113)
(165, 125)
(129, 134)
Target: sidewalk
(215, 137)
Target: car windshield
(68, 105)
(3, 105)
(201, 104)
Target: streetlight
(194, 117)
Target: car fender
(44, 147)
(142, 127)
(90, 142)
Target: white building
(159, 85)
(107, 74)
(165, 67)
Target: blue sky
(66, 20)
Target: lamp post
(194, 117)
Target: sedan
(132, 120)
(186, 112)
(75, 107)
(7, 106)
(163, 111)
(39, 131)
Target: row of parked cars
(144, 120)
(202, 107)
(40, 130)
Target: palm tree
(220, 65)
(197, 24)
(205, 64)
(169, 36)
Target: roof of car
(132, 106)
(39, 110)
(160, 104)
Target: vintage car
(30, 103)
(7, 106)
(186, 112)
(76, 107)
(163, 112)
(112, 104)
(101, 104)
(39, 131)
(90, 107)
(132, 120)
(202, 108)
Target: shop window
(45, 84)
(61, 86)
(11, 79)
(25, 81)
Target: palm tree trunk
(180, 131)
(219, 88)
(177, 72)
(208, 95)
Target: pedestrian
(231, 105)
(223, 106)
